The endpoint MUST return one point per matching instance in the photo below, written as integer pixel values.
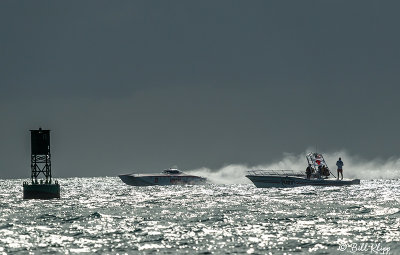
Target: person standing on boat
(339, 164)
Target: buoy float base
(41, 191)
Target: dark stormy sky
(145, 85)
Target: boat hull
(161, 180)
(288, 181)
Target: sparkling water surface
(105, 216)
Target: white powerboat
(289, 178)
(167, 177)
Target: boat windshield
(172, 171)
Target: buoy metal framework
(41, 164)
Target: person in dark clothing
(325, 171)
(308, 171)
(319, 172)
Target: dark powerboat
(290, 178)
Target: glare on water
(103, 215)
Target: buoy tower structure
(41, 164)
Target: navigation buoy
(41, 164)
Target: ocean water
(105, 216)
